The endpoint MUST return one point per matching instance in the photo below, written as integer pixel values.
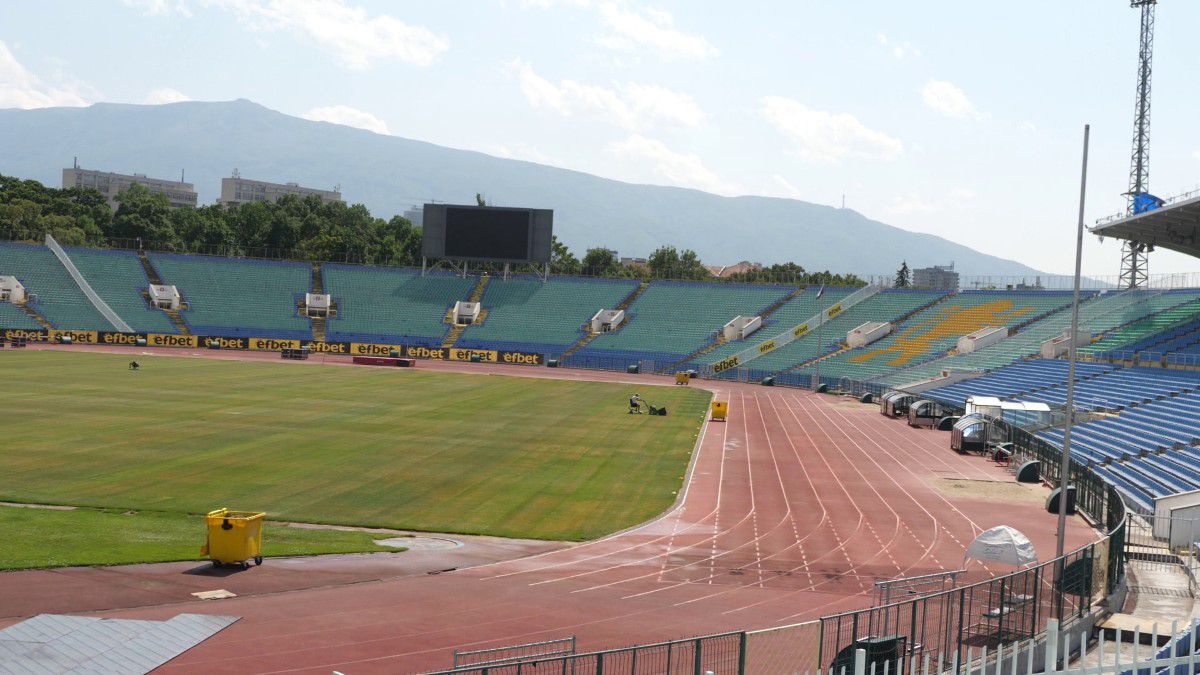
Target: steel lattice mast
(1134, 254)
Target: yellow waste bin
(234, 537)
(720, 410)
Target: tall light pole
(1065, 468)
(1134, 270)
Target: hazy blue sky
(962, 119)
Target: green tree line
(302, 229)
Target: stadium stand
(11, 316)
(932, 332)
(1098, 315)
(889, 305)
(792, 313)
(384, 304)
(1147, 442)
(118, 277)
(56, 296)
(238, 297)
(672, 319)
(1145, 334)
(1012, 381)
(531, 315)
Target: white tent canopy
(1003, 544)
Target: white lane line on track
(695, 464)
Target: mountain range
(390, 174)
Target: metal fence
(719, 654)
(987, 614)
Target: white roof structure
(1002, 544)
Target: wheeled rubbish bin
(234, 538)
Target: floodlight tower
(1134, 254)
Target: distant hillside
(389, 173)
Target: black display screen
(487, 233)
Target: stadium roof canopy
(1175, 226)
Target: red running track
(791, 510)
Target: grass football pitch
(411, 449)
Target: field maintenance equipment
(683, 377)
(720, 411)
(234, 537)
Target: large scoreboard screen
(490, 233)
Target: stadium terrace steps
(798, 308)
(1145, 334)
(152, 275)
(671, 319)
(1097, 315)
(477, 293)
(20, 318)
(589, 336)
(238, 297)
(932, 331)
(54, 294)
(767, 319)
(548, 316)
(1148, 448)
(317, 287)
(392, 305)
(887, 305)
(121, 280)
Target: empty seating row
(679, 317)
(934, 331)
(239, 297)
(887, 305)
(543, 316)
(1098, 316)
(790, 314)
(50, 289)
(12, 317)
(386, 304)
(119, 278)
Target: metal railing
(719, 654)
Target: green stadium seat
(119, 278)
(528, 314)
(391, 304)
(237, 297)
(55, 294)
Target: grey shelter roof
(55, 643)
(1174, 226)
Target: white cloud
(520, 151)
(651, 28)
(657, 162)
(1196, 154)
(949, 100)
(900, 50)
(827, 137)
(630, 106)
(165, 95)
(20, 88)
(159, 7)
(347, 116)
(547, 4)
(354, 37)
(779, 186)
(915, 204)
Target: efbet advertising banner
(79, 337)
(725, 364)
(10, 333)
(275, 345)
(271, 344)
(110, 338)
(167, 340)
(326, 347)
